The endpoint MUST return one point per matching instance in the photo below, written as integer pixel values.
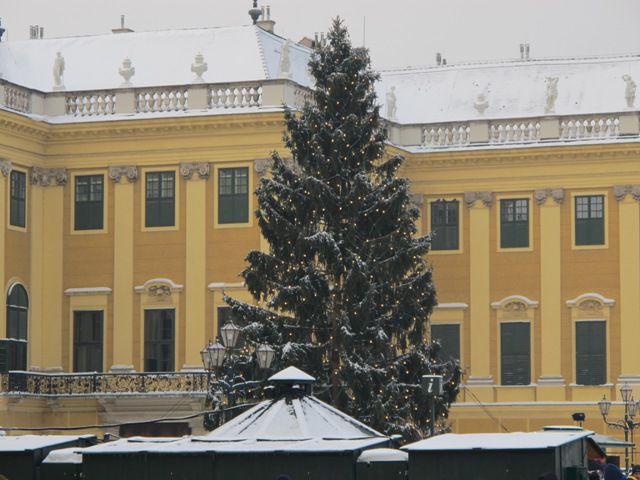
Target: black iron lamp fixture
(627, 424)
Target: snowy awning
(26, 443)
(497, 441)
(64, 455)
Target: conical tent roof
(293, 418)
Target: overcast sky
(398, 33)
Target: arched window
(17, 312)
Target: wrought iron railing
(32, 383)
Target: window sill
(514, 249)
(233, 225)
(589, 247)
(172, 228)
(89, 232)
(16, 229)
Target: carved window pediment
(159, 289)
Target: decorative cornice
(416, 199)
(556, 193)
(621, 191)
(46, 176)
(590, 297)
(470, 198)
(159, 288)
(87, 291)
(512, 302)
(129, 171)
(201, 168)
(5, 166)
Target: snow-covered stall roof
(383, 455)
(65, 455)
(515, 89)
(292, 419)
(497, 441)
(160, 58)
(27, 443)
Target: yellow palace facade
(126, 180)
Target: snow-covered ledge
(88, 291)
(223, 285)
(590, 296)
(452, 306)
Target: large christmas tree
(344, 291)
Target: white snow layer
(26, 443)
(161, 58)
(291, 374)
(383, 455)
(512, 89)
(497, 441)
(64, 455)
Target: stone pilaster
(479, 204)
(551, 382)
(629, 267)
(123, 268)
(195, 335)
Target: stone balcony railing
(548, 129)
(73, 106)
(92, 384)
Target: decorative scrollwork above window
(159, 289)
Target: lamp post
(627, 424)
(227, 369)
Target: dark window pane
(159, 340)
(591, 353)
(233, 195)
(17, 312)
(89, 202)
(515, 348)
(18, 199)
(160, 199)
(444, 225)
(514, 223)
(589, 217)
(449, 338)
(87, 341)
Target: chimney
(36, 32)
(265, 21)
(524, 51)
(122, 28)
(438, 58)
(2, 30)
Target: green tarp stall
(500, 456)
(21, 456)
(382, 464)
(293, 436)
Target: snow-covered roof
(64, 455)
(27, 443)
(293, 375)
(292, 419)
(497, 441)
(211, 445)
(160, 58)
(516, 89)
(383, 455)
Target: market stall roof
(27, 443)
(496, 441)
(65, 455)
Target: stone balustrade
(69, 106)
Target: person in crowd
(635, 473)
(612, 472)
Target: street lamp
(227, 371)
(630, 411)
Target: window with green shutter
(449, 338)
(160, 199)
(18, 199)
(233, 195)
(89, 202)
(444, 225)
(591, 353)
(159, 340)
(515, 353)
(87, 341)
(589, 217)
(514, 223)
